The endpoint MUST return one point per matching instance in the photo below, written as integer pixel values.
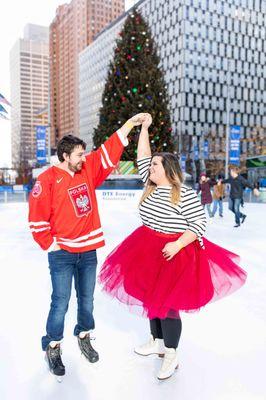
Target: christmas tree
(135, 84)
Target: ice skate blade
(167, 377)
(160, 355)
(58, 378)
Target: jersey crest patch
(79, 196)
(37, 189)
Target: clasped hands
(143, 119)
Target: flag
(4, 100)
(2, 109)
(3, 116)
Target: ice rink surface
(222, 350)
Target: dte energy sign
(234, 150)
(41, 144)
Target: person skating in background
(237, 185)
(166, 265)
(218, 195)
(204, 189)
(64, 220)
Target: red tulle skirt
(137, 274)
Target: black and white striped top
(158, 213)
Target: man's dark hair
(67, 145)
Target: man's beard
(75, 167)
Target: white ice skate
(154, 346)
(169, 365)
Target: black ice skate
(87, 350)
(54, 361)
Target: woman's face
(157, 172)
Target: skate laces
(55, 356)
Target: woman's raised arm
(144, 148)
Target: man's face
(233, 173)
(76, 158)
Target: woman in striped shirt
(166, 266)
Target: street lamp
(237, 14)
(228, 106)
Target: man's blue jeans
(63, 267)
(234, 206)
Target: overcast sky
(14, 15)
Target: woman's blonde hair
(173, 174)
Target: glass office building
(213, 54)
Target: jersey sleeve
(194, 213)
(40, 212)
(143, 167)
(101, 162)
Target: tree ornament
(134, 90)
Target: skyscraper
(213, 54)
(29, 66)
(73, 28)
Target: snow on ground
(222, 350)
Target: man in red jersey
(64, 220)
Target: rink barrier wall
(109, 191)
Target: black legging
(168, 329)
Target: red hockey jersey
(63, 209)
